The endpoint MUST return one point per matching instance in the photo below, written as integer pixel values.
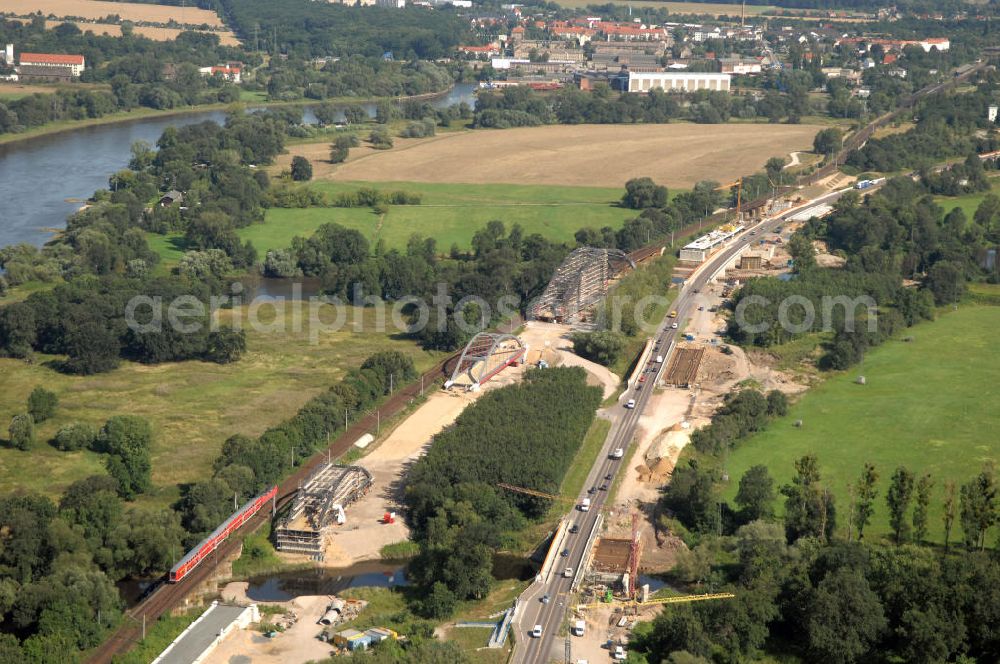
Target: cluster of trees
(59, 564)
(502, 262)
(825, 598)
(41, 406)
(304, 30)
(660, 216)
(134, 67)
(898, 232)
(85, 320)
(354, 76)
(946, 126)
(525, 435)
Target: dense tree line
(304, 29)
(898, 232)
(520, 107)
(354, 76)
(803, 588)
(525, 435)
(58, 565)
(946, 126)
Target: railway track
(166, 596)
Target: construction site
(580, 282)
(318, 507)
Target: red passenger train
(219, 535)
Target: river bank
(135, 115)
(86, 153)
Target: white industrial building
(643, 81)
(702, 248)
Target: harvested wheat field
(128, 11)
(226, 37)
(678, 155)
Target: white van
(579, 627)
(659, 359)
(568, 573)
(585, 505)
(537, 632)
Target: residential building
(51, 66)
(391, 4)
(229, 71)
(740, 66)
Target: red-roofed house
(574, 33)
(230, 72)
(480, 52)
(69, 65)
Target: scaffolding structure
(319, 504)
(579, 283)
(486, 355)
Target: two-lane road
(551, 614)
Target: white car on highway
(630, 404)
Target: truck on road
(585, 505)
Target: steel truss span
(486, 355)
(579, 283)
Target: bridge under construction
(486, 355)
(579, 283)
(318, 505)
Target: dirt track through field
(677, 155)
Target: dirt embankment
(673, 413)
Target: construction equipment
(677, 599)
(739, 195)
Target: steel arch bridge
(486, 355)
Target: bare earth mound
(678, 155)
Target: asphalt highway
(551, 614)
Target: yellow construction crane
(739, 194)
(677, 599)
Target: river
(45, 179)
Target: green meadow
(930, 404)
(450, 213)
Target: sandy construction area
(678, 155)
(128, 11)
(363, 536)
